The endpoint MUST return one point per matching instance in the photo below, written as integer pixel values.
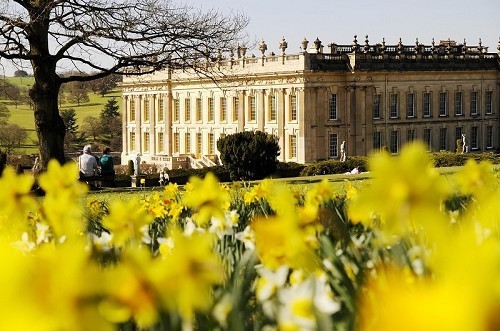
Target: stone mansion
(364, 95)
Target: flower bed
(404, 252)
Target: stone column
(281, 123)
(125, 121)
(168, 124)
(306, 140)
(241, 110)
(152, 128)
(351, 118)
(261, 110)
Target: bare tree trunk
(49, 125)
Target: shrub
(288, 169)
(449, 159)
(335, 166)
(249, 155)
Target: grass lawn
(22, 114)
(339, 182)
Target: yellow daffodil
(53, 288)
(16, 203)
(406, 192)
(477, 178)
(186, 275)
(63, 201)
(125, 221)
(130, 291)
(207, 198)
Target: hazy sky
(338, 21)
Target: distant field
(22, 115)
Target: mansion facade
(367, 96)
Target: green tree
(249, 155)
(73, 139)
(109, 36)
(111, 119)
(111, 109)
(69, 118)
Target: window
(332, 107)
(131, 141)
(376, 106)
(176, 111)
(394, 105)
(253, 109)
(442, 104)
(161, 110)
(377, 140)
(146, 109)
(489, 136)
(223, 109)
(236, 108)
(458, 103)
(443, 141)
(410, 105)
(489, 102)
(187, 110)
(474, 137)
(410, 135)
(146, 141)
(199, 143)
(333, 142)
(132, 110)
(293, 146)
(211, 143)
(161, 142)
(199, 110)
(293, 108)
(473, 103)
(427, 139)
(394, 148)
(187, 140)
(176, 142)
(272, 108)
(211, 109)
(426, 104)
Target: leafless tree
(11, 137)
(104, 37)
(92, 126)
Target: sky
(338, 21)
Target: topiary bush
(249, 155)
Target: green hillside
(22, 114)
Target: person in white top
(88, 163)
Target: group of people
(91, 165)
